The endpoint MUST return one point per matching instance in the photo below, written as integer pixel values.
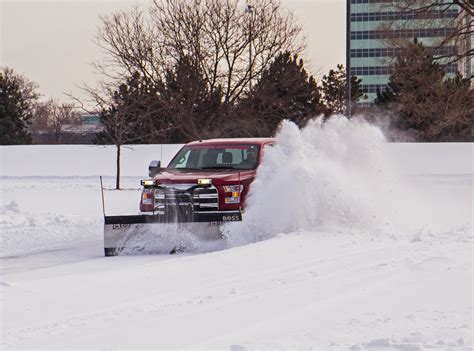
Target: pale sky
(51, 41)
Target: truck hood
(219, 177)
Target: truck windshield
(216, 157)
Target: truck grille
(181, 201)
(205, 199)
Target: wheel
(110, 251)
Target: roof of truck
(233, 141)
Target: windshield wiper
(216, 168)
(185, 169)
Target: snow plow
(203, 187)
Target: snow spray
(334, 176)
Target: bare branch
(230, 46)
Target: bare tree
(231, 44)
(119, 130)
(434, 5)
(61, 114)
(51, 117)
(40, 118)
(227, 44)
(131, 117)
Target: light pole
(348, 59)
(249, 9)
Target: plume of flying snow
(334, 176)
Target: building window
(371, 70)
(372, 1)
(405, 15)
(393, 52)
(372, 88)
(387, 70)
(402, 33)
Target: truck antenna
(240, 195)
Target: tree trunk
(117, 179)
(57, 135)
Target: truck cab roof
(232, 141)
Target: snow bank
(24, 231)
(80, 160)
(43, 213)
(93, 160)
(432, 158)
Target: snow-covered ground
(348, 243)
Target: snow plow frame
(218, 216)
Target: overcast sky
(51, 41)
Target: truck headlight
(204, 182)
(232, 193)
(148, 182)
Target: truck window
(212, 157)
(183, 160)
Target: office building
(375, 26)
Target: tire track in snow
(257, 283)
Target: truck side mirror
(154, 168)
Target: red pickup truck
(205, 183)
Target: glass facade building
(466, 65)
(375, 25)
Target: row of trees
(186, 70)
(202, 68)
(50, 119)
(182, 107)
(22, 115)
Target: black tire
(110, 251)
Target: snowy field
(347, 243)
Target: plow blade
(130, 231)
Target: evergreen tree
(17, 97)
(423, 101)
(134, 113)
(189, 106)
(334, 87)
(456, 120)
(284, 91)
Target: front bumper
(212, 217)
